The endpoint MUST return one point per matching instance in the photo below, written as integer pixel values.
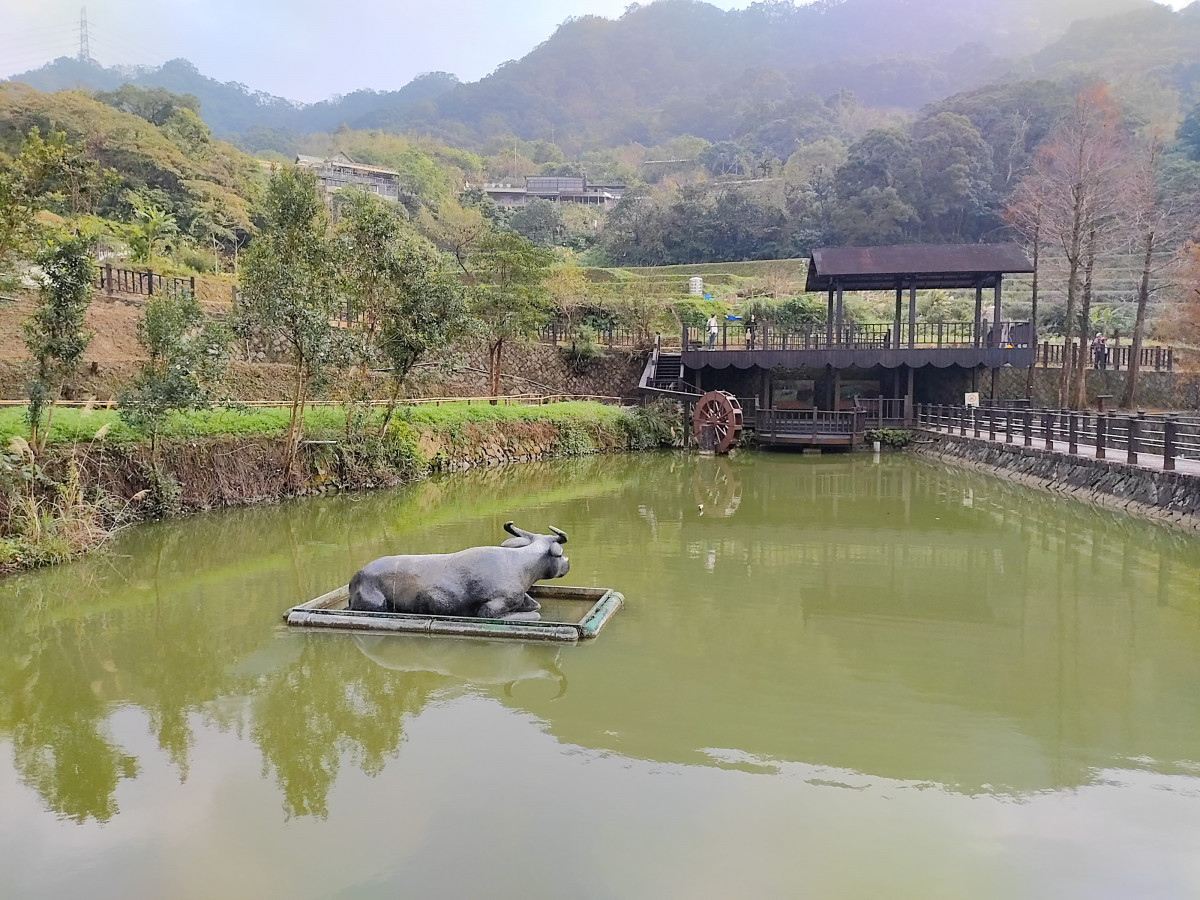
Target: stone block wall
(1158, 390)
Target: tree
(510, 297)
(185, 356)
(395, 286)
(956, 176)
(1159, 208)
(153, 229)
(539, 221)
(289, 290)
(45, 168)
(54, 333)
(1075, 178)
(1024, 213)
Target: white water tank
(696, 286)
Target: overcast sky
(300, 49)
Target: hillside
(204, 183)
(679, 67)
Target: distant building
(556, 188)
(339, 171)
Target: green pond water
(844, 679)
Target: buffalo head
(548, 546)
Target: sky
(300, 49)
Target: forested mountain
(680, 67)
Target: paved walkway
(1152, 462)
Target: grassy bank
(97, 474)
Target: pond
(838, 678)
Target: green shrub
(895, 438)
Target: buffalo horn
(562, 535)
(517, 532)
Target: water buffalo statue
(487, 582)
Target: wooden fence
(1156, 359)
(146, 283)
(1119, 435)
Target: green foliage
(43, 520)
(582, 351)
(510, 299)
(54, 334)
(155, 105)
(892, 438)
(541, 222)
(396, 287)
(289, 283)
(206, 185)
(151, 232)
(185, 356)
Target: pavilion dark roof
(923, 266)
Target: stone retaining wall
(1156, 390)
(1171, 497)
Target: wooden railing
(863, 336)
(558, 333)
(807, 422)
(146, 283)
(1157, 359)
(881, 410)
(1116, 435)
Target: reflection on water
(862, 622)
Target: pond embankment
(68, 499)
(1172, 497)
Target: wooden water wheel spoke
(720, 412)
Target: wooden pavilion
(878, 368)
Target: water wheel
(720, 411)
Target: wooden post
(1170, 359)
(108, 282)
(1048, 429)
(1008, 431)
(1132, 457)
(724, 334)
(996, 312)
(975, 420)
(962, 420)
(1101, 436)
(149, 282)
(829, 320)
(1169, 444)
(991, 423)
(1073, 434)
(1028, 417)
(897, 321)
(912, 315)
(908, 399)
(840, 315)
(978, 337)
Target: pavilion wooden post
(978, 315)
(840, 315)
(899, 306)
(996, 332)
(912, 315)
(908, 398)
(829, 320)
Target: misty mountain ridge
(679, 67)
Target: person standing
(751, 331)
(712, 331)
(1100, 351)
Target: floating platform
(569, 614)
